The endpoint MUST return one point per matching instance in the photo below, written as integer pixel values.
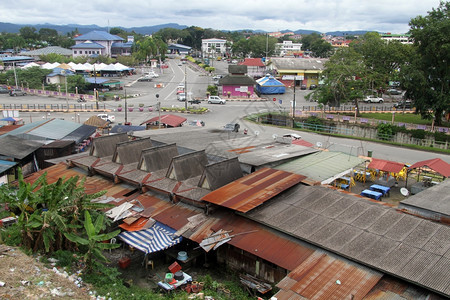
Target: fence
(54, 107)
(354, 130)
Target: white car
(216, 100)
(181, 97)
(152, 74)
(106, 117)
(373, 99)
(293, 136)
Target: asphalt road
(218, 115)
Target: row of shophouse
(291, 229)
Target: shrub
(385, 131)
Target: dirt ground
(24, 277)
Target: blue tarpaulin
(269, 85)
(156, 238)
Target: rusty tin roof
(254, 189)
(322, 276)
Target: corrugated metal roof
(322, 165)
(385, 165)
(440, 204)
(17, 147)
(436, 164)
(5, 165)
(171, 120)
(49, 50)
(298, 63)
(97, 35)
(55, 129)
(254, 189)
(256, 152)
(26, 127)
(364, 231)
(80, 134)
(322, 276)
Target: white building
(402, 38)
(288, 48)
(214, 47)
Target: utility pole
(185, 87)
(15, 75)
(159, 111)
(64, 72)
(126, 109)
(293, 105)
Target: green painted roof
(322, 166)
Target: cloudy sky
(274, 15)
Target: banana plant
(93, 239)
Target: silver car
(17, 92)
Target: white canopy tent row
(87, 67)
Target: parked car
(198, 123)
(393, 92)
(17, 92)
(216, 100)
(293, 136)
(4, 90)
(195, 101)
(106, 117)
(303, 87)
(313, 87)
(403, 104)
(181, 97)
(217, 77)
(232, 127)
(152, 74)
(145, 78)
(373, 99)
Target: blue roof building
(96, 43)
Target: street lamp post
(159, 111)
(293, 108)
(185, 88)
(65, 83)
(126, 121)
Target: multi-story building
(288, 48)
(100, 43)
(214, 47)
(402, 38)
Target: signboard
(274, 99)
(292, 77)
(243, 89)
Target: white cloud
(320, 15)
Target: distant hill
(64, 29)
(342, 33)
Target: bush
(212, 90)
(385, 131)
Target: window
(75, 52)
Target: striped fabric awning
(153, 239)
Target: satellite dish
(404, 191)
(319, 144)
(274, 136)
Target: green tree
(48, 35)
(344, 79)
(427, 75)
(316, 45)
